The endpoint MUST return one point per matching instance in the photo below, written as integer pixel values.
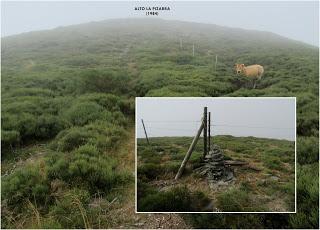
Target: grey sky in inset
(259, 117)
(295, 20)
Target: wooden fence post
(145, 132)
(191, 148)
(193, 50)
(215, 64)
(205, 132)
(209, 132)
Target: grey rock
(214, 167)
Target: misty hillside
(67, 108)
(148, 56)
(159, 38)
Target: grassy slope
(275, 158)
(48, 76)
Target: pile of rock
(214, 167)
(214, 162)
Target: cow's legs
(254, 84)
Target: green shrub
(70, 139)
(183, 59)
(237, 200)
(100, 133)
(105, 135)
(26, 125)
(105, 81)
(196, 157)
(110, 102)
(48, 126)
(149, 171)
(289, 190)
(307, 215)
(172, 166)
(232, 221)
(87, 167)
(127, 107)
(32, 127)
(307, 150)
(57, 166)
(31, 92)
(69, 210)
(9, 138)
(144, 189)
(29, 183)
(273, 163)
(176, 200)
(153, 79)
(83, 113)
(149, 154)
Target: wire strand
(254, 127)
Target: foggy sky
(295, 20)
(259, 117)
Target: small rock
(229, 176)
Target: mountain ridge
(151, 22)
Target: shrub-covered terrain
(68, 106)
(266, 183)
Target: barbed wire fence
(150, 127)
(160, 128)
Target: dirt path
(124, 215)
(30, 154)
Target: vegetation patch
(257, 188)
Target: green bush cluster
(307, 215)
(237, 200)
(103, 135)
(35, 118)
(81, 174)
(153, 171)
(83, 113)
(30, 183)
(9, 138)
(105, 81)
(27, 126)
(150, 171)
(86, 166)
(82, 130)
(176, 199)
(70, 210)
(308, 154)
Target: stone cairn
(214, 167)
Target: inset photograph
(211, 155)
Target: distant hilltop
(192, 30)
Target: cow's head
(238, 68)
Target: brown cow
(254, 72)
